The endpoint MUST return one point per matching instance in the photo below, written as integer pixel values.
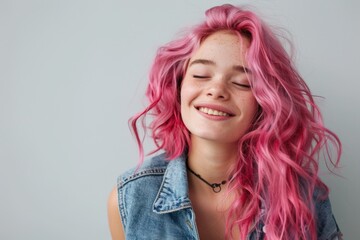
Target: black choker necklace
(216, 187)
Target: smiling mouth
(213, 112)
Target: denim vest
(154, 204)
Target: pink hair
(277, 168)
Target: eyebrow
(238, 68)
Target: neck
(211, 160)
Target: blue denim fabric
(154, 204)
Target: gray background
(72, 72)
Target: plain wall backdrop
(73, 71)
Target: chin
(215, 138)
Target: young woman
(240, 135)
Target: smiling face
(217, 103)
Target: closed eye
(199, 76)
(242, 85)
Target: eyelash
(198, 76)
(242, 85)
(237, 84)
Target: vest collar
(173, 193)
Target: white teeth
(212, 112)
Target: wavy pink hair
(277, 167)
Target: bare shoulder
(116, 228)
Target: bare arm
(116, 228)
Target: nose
(217, 90)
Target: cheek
(184, 99)
(182, 96)
(186, 93)
(251, 106)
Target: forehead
(223, 37)
(222, 46)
